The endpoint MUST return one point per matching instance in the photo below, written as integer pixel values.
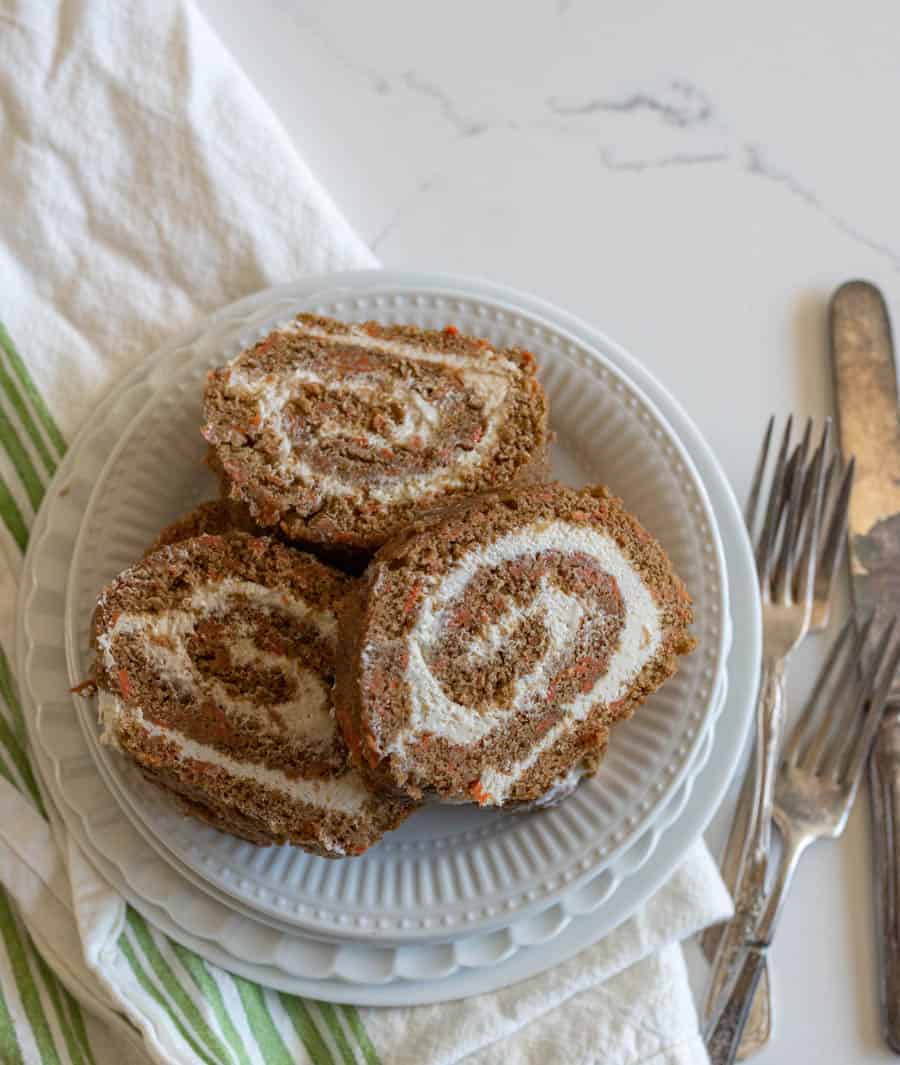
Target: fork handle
(884, 801)
(749, 888)
(723, 1036)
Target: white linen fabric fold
(145, 183)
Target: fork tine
(796, 466)
(801, 561)
(765, 548)
(804, 546)
(813, 516)
(792, 492)
(802, 526)
(835, 537)
(852, 769)
(756, 484)
(833, 470)
(809, 724)
(847, 711)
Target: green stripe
(52, 985)
(305, 1027)
(8, 691)
(213, 995)
(176, 992)
(78, 1024)
(40, 407)
(20, 761)
(10, 1052)
(27, 988)
(12, 517)
(274, 1052)
(8, 386)
(7, 775)
(362, 1036)
(337, 1032)
(21, 460)
(153, 991)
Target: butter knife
(865, 381)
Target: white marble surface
(695, 179)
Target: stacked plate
(458, 900)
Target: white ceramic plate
(447, 872)
(483, 948)
(168, 896)
(289, 963)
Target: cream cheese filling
(272, 392)
(433, 711)
(305, 716)
(345, 793)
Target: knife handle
(884, 796)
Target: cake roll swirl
(215, 668)
(490, 649)
(341, 434)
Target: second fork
(791, 555)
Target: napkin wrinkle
(693, 898)
(31, 859)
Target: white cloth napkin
(144, 183)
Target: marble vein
(683, 105)
(678, 103)
(686, 106)
(422, 186)
(610, 162)
(465, 127)
(757, 164)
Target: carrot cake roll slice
(215, 667)
(342, 434)
(489, 650)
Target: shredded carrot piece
(124, 683)
(412, 598)
(452, 330)
(478, 793)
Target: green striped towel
(144, 183)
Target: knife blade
(865, 382)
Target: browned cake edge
(345, 557)
(212, 518)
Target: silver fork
(814, 792)
(786, 565)
(836, 493)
